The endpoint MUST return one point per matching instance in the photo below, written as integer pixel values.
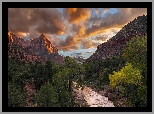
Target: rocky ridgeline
(42, 45)
(115, 45)
(39, 49)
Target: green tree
(49, 70)
(74, 70)
(106, 73)
(62, 85)
(127, 75)
(39, 74)
(135, 52)
(47, 96)
(129, 79)
(16, 96)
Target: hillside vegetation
(37, 84)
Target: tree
(97, 73)
(106, 73)
(47, 96)
(129, 79)
(15, 96)
(127, 75)
(62, 85)
(49, 69)
(74, 70)
(135, 52)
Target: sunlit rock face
(40, 45)
(10, 39)
(115, 45)
(39, 49)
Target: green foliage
(69, 62)
(106, 73)
(15, 96)
(96, 78)
(135, 52)
(127, 75)
(129, 80)
(15, 73)
(49, 70)
(60, 77)
(54, 82)
(62, 85)
(47, 97)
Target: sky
(75, 31)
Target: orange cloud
(21, 34)
(86, 44)
(108, 25)
(76, 15)
(75, 22)
(81, 31)
(116, 20)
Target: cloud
(105, 9)
(116, 20)
(33, 33)
(77, 24)
(97, 11)
(54, 39)
(86, 44)
(68, 44)
(19, 20)
(51, 21)
(81, 31)
(102, 38)
(76, 15)
(48, 20)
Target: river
(93, 98)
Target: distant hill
(79, 60)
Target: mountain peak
(41, 36)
